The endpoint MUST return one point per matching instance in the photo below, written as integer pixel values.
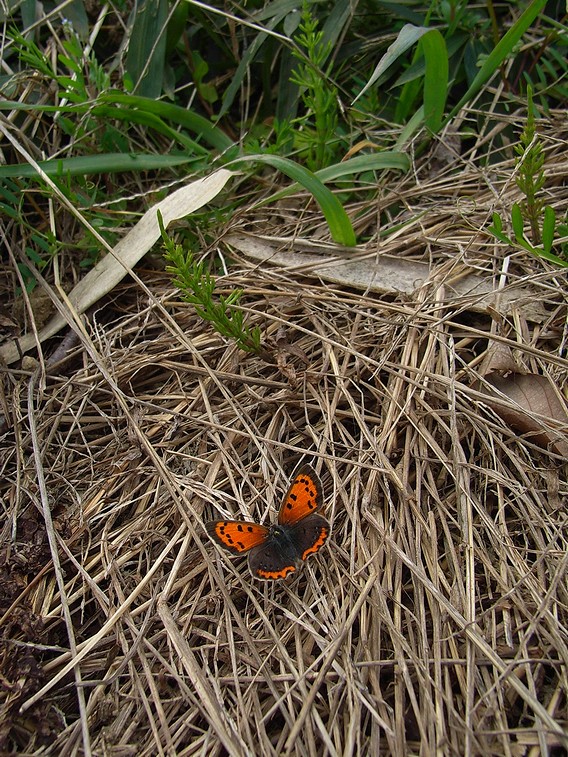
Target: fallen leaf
(386, 274)
(536, 410)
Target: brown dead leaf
(384, 274)
(533, 401)
(499, 359)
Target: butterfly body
(278, 550)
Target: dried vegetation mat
(435, 618)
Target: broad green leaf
(175, 114)
(413, 125)
(551, 258)
(76, 13)
(497, 230)
(147, 46)
(382, 161)
(517, 223)
(96, 164)
(548, 226)
(497, 223)
(144, 111)
(340, 13)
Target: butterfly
(278, 550)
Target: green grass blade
(517, 223)
(414, 125)
(408, 36)
(435, 79)
(548, 227)
(96, 164)
(267, 20)
(143, 111)
(147, 47)
(336, 217)
(175, 114)
(382, 161)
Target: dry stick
(52, 539)
(207, 701)
(330, 657)
(25, 297)
(471, 633)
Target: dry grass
(435, 621)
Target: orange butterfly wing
(303, 497)
(237, 536)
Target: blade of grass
(435, 79)
(336, 217)
(384, 161)
(191, 121)
(146, 50)
(548, 227)
(96, 164)
(141, 110)
(407, 36)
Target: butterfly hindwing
(277, 558)
(309, 535)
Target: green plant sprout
(80, 80)
(532, 210)
(319, 97)
(197, 287)
(530, 178)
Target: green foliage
(78, 77)
(207, 91)
(532, 211)
(530, 173)
(271, 79)
(547, 73)
(500, 51)
(39, 247)
(336, 217)
(197, 287)
(145, 59)
(87, 77)
(316, 129)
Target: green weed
(197, 287)
(532, 211)
(316, 128)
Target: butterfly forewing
(237, 536)
(303, 498)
